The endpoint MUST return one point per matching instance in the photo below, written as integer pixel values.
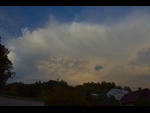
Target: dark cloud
(143, 58)
(98, 67)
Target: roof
(134, 96)
(122, 91)
(117, 93)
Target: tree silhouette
(6, 66)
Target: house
(117, 93)
(135, 96)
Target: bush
(62, 96)
(114, 101)
(13, 90)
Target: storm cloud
(71, 50)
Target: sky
(78, 44)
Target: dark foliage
(6, 66)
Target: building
(117, 93)
(133, 97)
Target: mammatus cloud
(71, 51)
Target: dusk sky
(78, 44)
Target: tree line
(61, 93)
